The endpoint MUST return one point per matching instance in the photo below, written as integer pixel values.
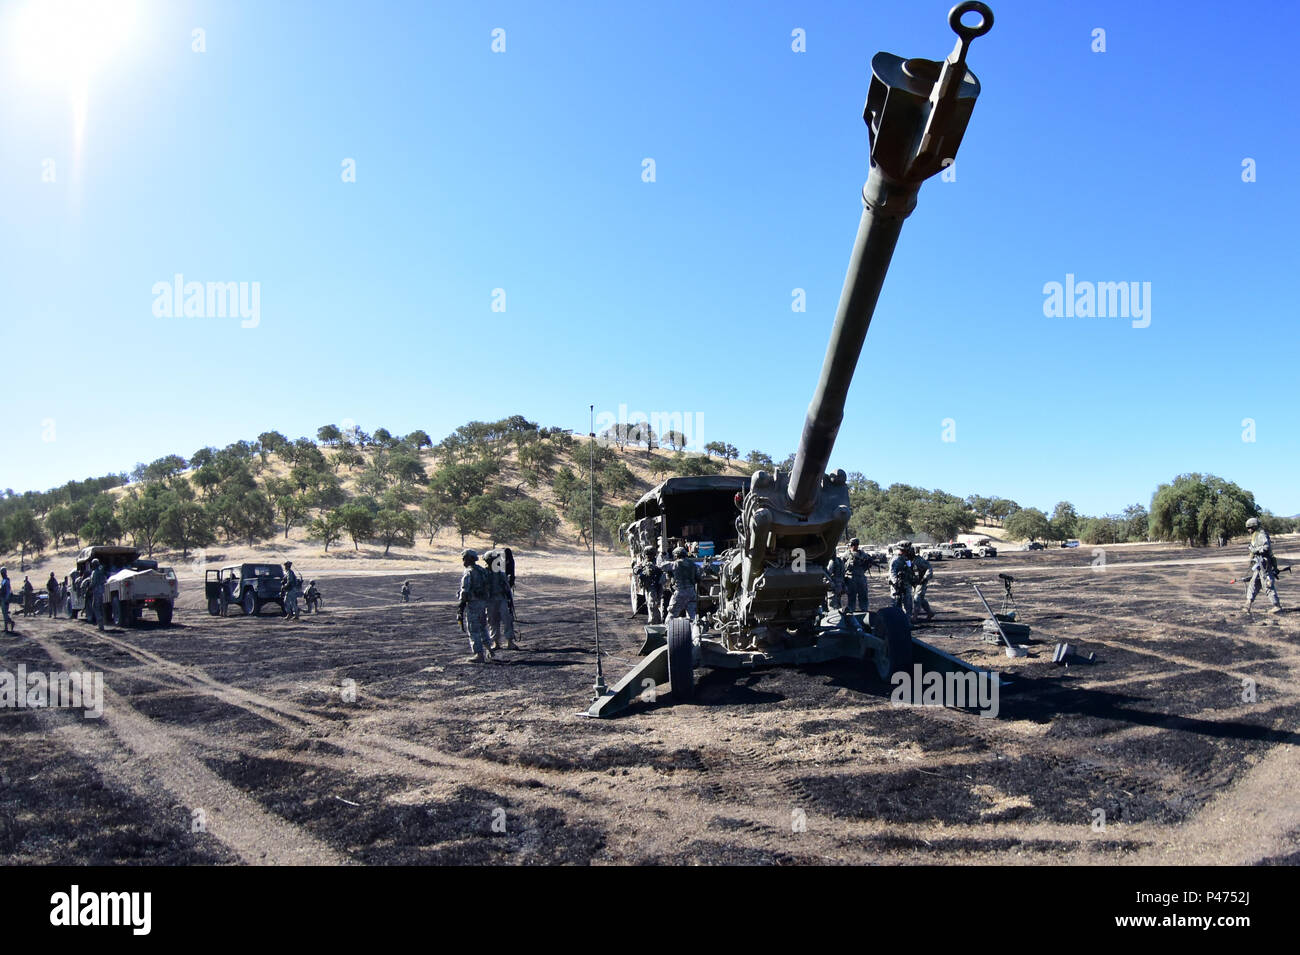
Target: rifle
(1269, 566)
(460, 618)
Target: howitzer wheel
(681, 659)
(890, 624)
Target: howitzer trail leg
(650, 672)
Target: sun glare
(62, 42)
(60, 45)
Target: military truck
(250, 586)
(984, 548)
(131, 585)
(695, 512)
(955, 550)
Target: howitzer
(768, 606)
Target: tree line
(233, 493)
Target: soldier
(223, 592)
(665, 562)
(650, 576)
(685, 576)
(65, 591)
(859, 563)
(1264, 572)
(900, 578)
(6, 589)
(292, 589)
(52, 588)
(835, 576)
(406, 591)
(922, 574)
(95, 592)
(475, 588)
(29, 597)
(312, 597)
(500, 604)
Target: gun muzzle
(916, 114)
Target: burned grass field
(365, 735)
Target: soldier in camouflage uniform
(685, 577)
(95, 591)
(665, 562)
(291, 590)
(922, 574)
(500, 609)
(835, 582)
(900, 577)
(650, 578)
(1264, 573)
(6, 588)
(859, 562)
(475, 588)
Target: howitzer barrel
(916, 114)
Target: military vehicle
(768, 606)
(696, 512)
(955, 550)
(984, 548)
(131, 585)
(251, 586)
(931, 552)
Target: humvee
(248, 585)
(131, 585)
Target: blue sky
(522, 171)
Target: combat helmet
(679, 553)
(853, 542)
(1252, 523)
(470, 556)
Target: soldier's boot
(513, 646)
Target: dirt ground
(236, 740)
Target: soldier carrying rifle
(1263, 567)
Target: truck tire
(164, 608)
(251, 604)
(890, 624)
(681, 659)
(214, 606)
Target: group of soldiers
(909, 580)
(486, 603)
(671, 584)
